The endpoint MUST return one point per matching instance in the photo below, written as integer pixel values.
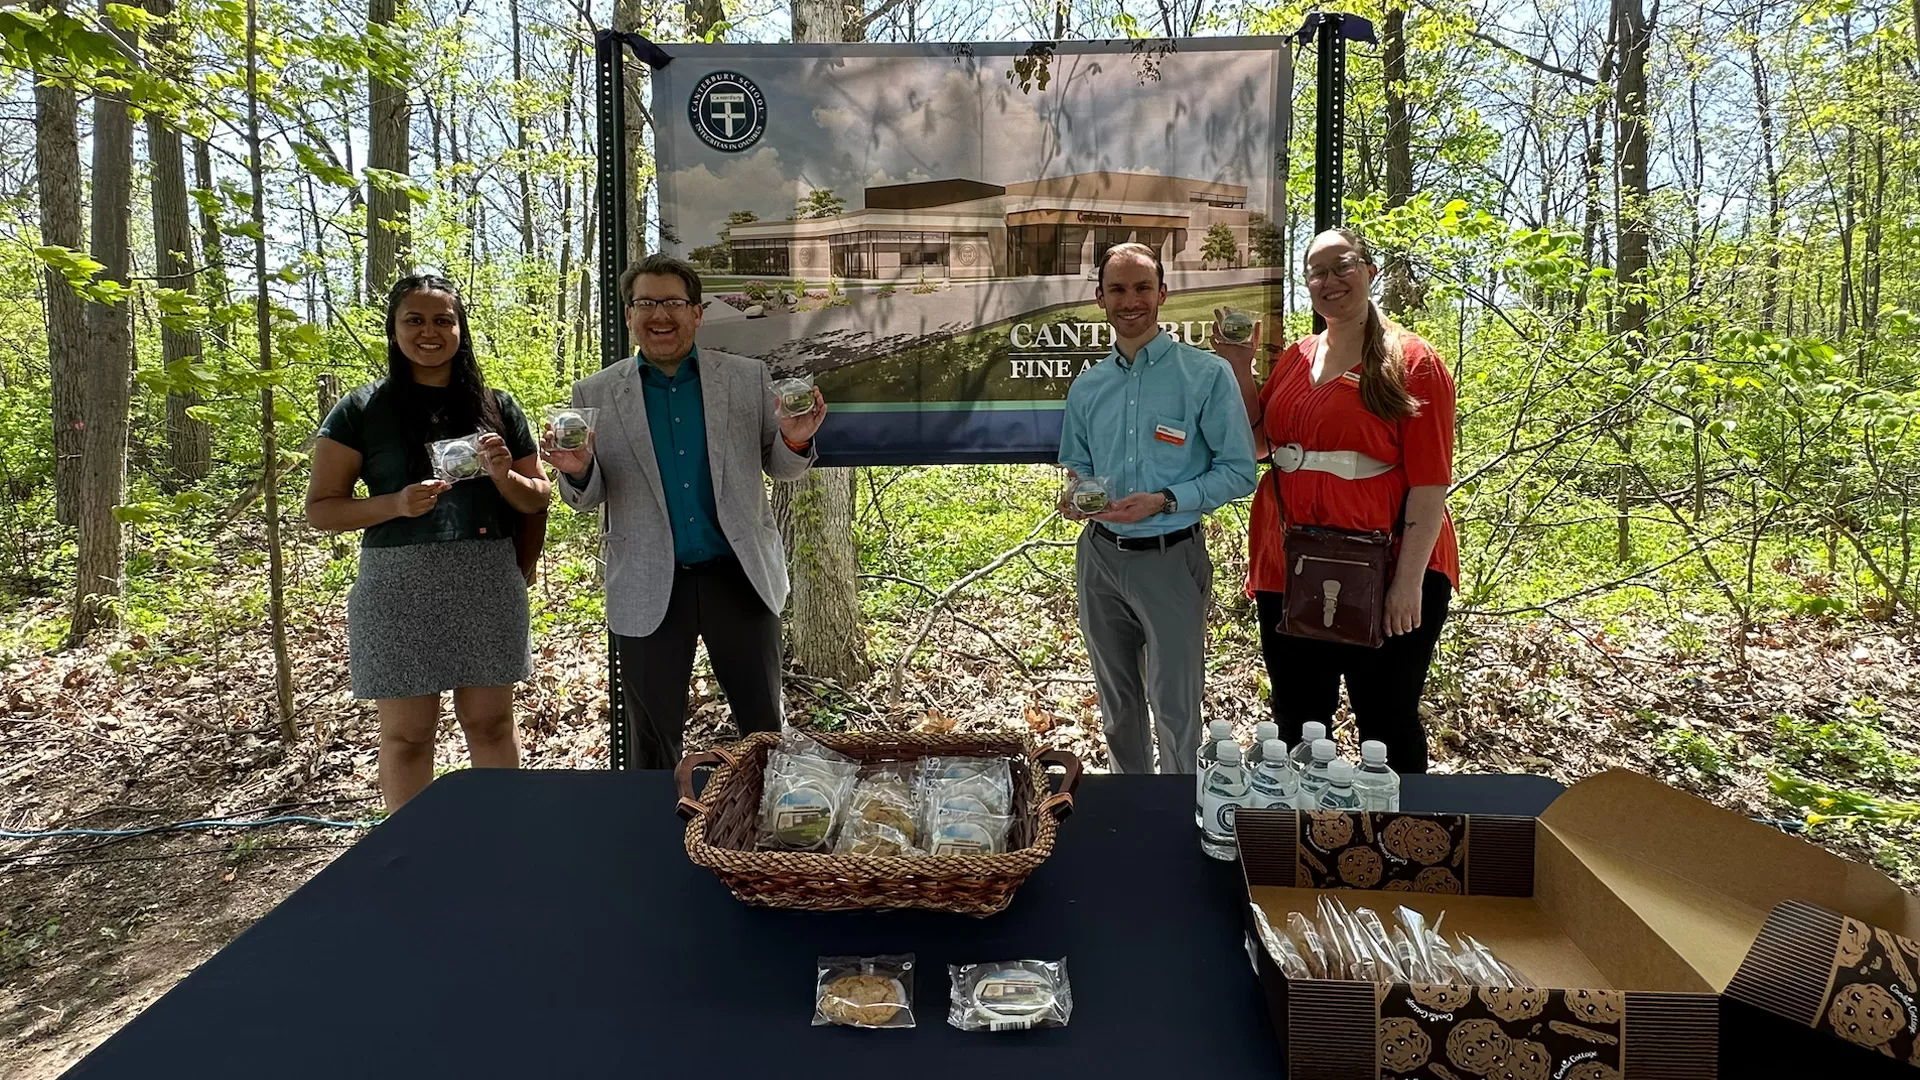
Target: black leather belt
(1145, 543)
(718, 562)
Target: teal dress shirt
(1171, 419)
(677, 420)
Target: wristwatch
(1173, 504)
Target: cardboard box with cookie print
(1676, 941)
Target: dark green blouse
(368, 421)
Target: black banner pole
(609, 195)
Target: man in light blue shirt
(1164, 424)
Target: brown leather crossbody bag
(1336, 580)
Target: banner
(919, 225)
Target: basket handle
(1060, 803)
(688, 806)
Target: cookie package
(793, 396)
(572, 425)
(967, 805)
(804, 795)
(881, 818)
(455, 460)
(864, 991)
(1012, 995)
(1357, 945)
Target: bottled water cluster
(1266, 776)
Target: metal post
(1329, 132)
(609, 193)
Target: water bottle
(1377, 785)
(1275, 785)
(1314, 781)
(1217, 732)
(1226, 792)
(1339, 793)
(1310, 732)
(1262, 731)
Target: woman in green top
(440, 603)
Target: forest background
(1666, 245)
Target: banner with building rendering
(918, 225)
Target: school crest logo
(727, 111)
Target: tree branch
(1544, 65)
(946, 596)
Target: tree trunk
(702, 16)
(57, 157)
(523, 166)
(1849, 205)
(1592, 242)
(1762, 103)
(630, 16)
(263, 324)
(815, 514)
(1632, 31)
(563, 284)
(1396, 291)
(189, 440)
(388, 116)
(108, 373)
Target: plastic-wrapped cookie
(963, 836)
(802, 818)
(866, 992)
(571, 427)
(1010, 996)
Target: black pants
(713, 601)
(1383, 685)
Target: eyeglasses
(1341, 268)
(672, 305)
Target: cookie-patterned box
(1679, 942)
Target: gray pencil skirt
(424, 618)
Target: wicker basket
(722, 820)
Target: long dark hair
(1383, 362)
(469, 407)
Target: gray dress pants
(1144, 615)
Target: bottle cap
(1324, 750)
(1373, 752)
(1229, 752)
(1219, 730)
(1340, 772)
(1311, 730)
(1264, 730)
(1273, 750)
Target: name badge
(1169, 435)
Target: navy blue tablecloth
(548, 924)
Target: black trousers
(715, 602)
(1383, 685)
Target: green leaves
(322, 167)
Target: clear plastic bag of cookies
(804, 795)
(1013, 995)
(864, 991)
(455, 460)
(882, 817)
(1280, 947)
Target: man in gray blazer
(691, 548)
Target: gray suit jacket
(743, 441)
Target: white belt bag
(1346, 464)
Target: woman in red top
(1365, 385)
